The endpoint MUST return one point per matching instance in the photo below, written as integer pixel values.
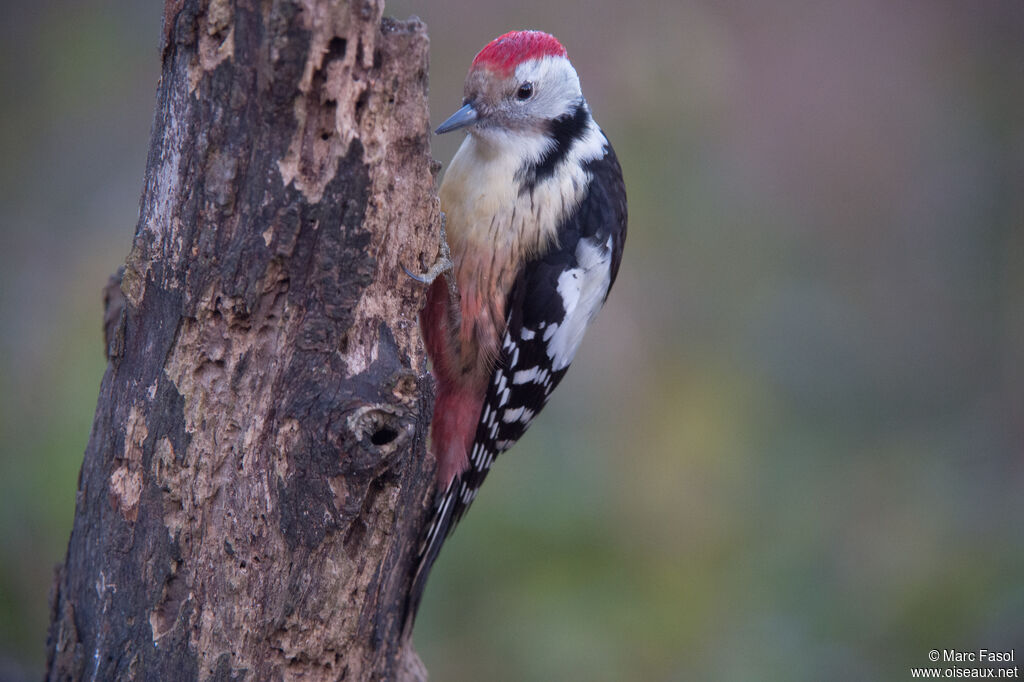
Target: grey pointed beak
(460, 119)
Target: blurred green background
(793, 446)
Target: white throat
(483, 195)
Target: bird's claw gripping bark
(443, 265)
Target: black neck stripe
(564, 131)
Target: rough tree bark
(255, 479)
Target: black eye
(525, 91)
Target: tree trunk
(255, 480)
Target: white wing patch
(583, 290)
(519, 414)
(533, 375)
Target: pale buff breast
(492, 228)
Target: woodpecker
(535, 210)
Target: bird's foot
(443, 265)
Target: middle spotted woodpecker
(536, 219)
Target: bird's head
(520, 85)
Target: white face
(539, 91)
(554, 87)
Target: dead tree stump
(255, 480)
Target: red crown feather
(505, 53)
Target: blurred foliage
(791, 449)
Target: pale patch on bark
(135, 433)
(126, 480)
(287, 435)
(311, 160)
(171, 479)
(216, 41)
(126, 487)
